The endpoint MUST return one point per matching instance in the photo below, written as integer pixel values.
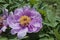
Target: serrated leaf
(51, 16)
(46, 22)
(58, 18)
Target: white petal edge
(4, 28)
(37, 24)
(14, 31)
(14, 26)
(22, 33)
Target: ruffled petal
(13, 23)
(22, 33)
(18, 12)
(14, 31)
(4, 28)
(5, 13)
(5, 22)
(34, 26)
(31, 12)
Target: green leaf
(1, 0)
(43, 12)
(3, 38)
(43, 35)
(5, 5)
(57, 33)
(52, 24)
(45, 38)
(33, 2)
(51, 16)
(58, 18)
(13, 39)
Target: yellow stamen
(1, 18)
(24, 20)
(1, 21)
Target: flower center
(1, 22)
(24, 20)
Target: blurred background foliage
(50, 10)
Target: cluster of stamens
(1, 21)
(25, 20)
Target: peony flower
(24, 20)
(3, 21)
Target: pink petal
(22, 33)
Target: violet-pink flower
(24, 20)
